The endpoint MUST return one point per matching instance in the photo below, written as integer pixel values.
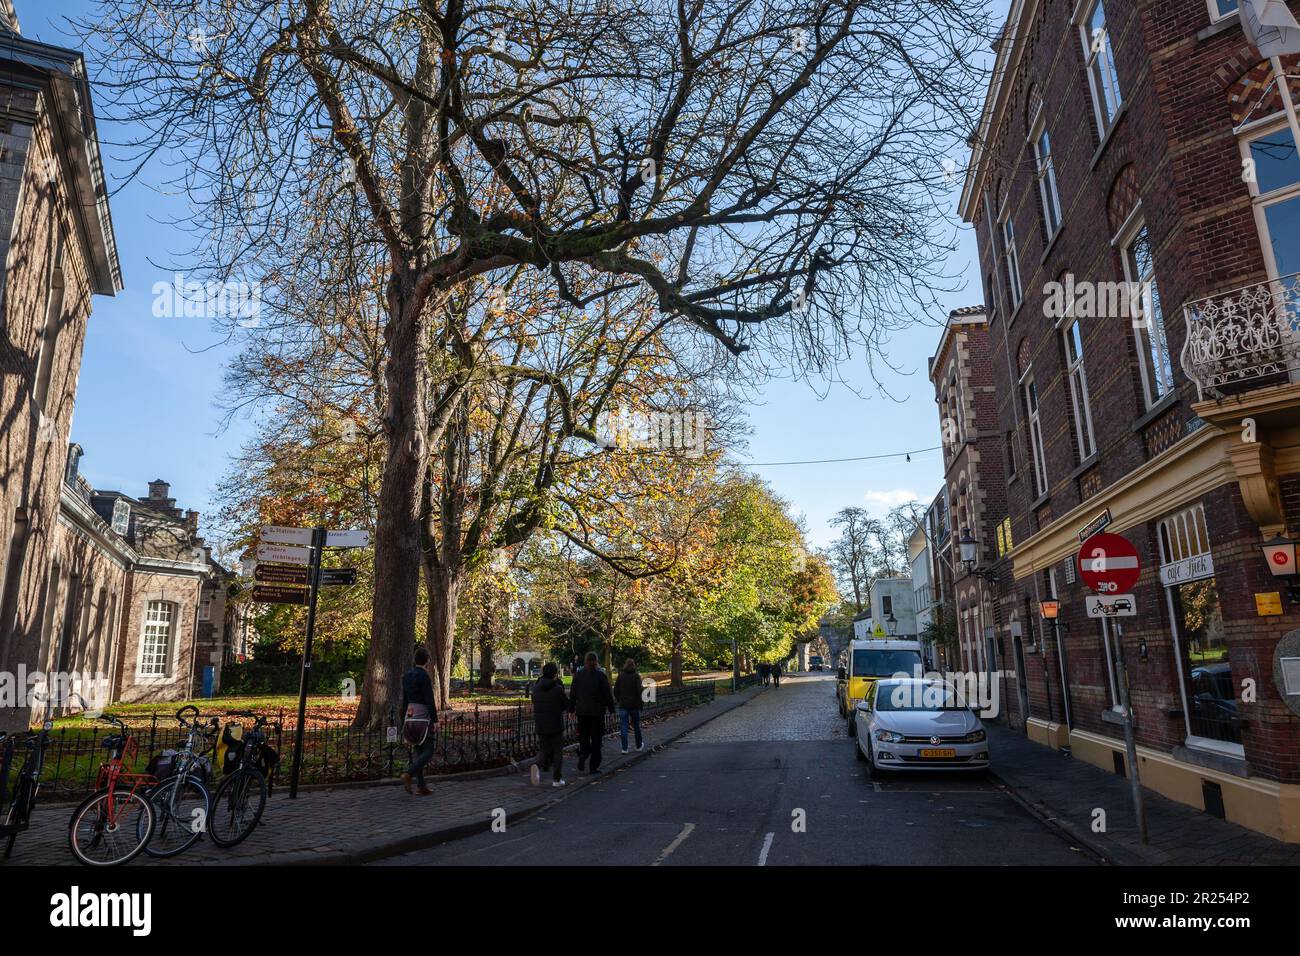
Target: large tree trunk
(397, 531)
(444, 598)
(676, 667)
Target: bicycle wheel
(181, 815)
(97, 839)
(237, 806)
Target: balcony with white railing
(1243, 339)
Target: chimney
(158, 490)
(192, 520)
(74, 464)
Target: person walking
(419, 716)
(776, 674)
(549, 704)
(627, 691)
(590, 698)
(764, 672)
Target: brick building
(1135, 192)
(121, 593)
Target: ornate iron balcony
(1249, 337)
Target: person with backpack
(590, 698)
(627, 691)
(419, 716)
(549, 704)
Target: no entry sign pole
(318, 546)
(1110, 564)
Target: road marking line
(767, 846)
(677, 841)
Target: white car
(918, 724)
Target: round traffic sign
(1109, 564)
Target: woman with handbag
(420, 715)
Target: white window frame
(1078, 376)
(144, 669)
(205, 608)
(1037, 449)
(1010, 260)
(1216, 13)
(1155, 329)
(1260, 202)
(1103, 74)
(1045, 172)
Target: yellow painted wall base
(1047, 733)
(1261, 805)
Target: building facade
(1135, 192)
(101, 595)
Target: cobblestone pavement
(802, 708)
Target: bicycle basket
(233, 735)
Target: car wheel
(872, 772)
(857, 751)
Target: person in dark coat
(627, 692)
(776, 674)
(549, 704)
(590, 698)
(764, 672)
(418, 707)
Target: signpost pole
(1130, 745)
(318, 545)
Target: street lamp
(970, 555)
(1050, 610)
(1280, 555)
(893, 624)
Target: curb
(1064, 829)
(432, 838)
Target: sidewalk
(358, 824)
(1064, 791)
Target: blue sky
(146, 401)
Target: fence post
(392, 746)
(153, 733)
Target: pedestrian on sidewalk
(627, 691)
(419, 717)
(764, 672)
(590, 698)
(776, 674)
(549, 704)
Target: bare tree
(766, 170)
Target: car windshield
(912, 696)
(870, 662)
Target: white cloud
(892, 498)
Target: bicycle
(181, 801)
(22, 801)
(110, 828)
(249, 768)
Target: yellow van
(866, 662)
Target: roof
(72, 119)
(966, 315)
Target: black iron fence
(334, 752)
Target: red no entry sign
(1109, 564)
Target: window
(1079, 389)
(155, 647)
(1010, 262)
(1039, 460)
(1221, 9)
(1099, 55)
(205, 609)
(886, 605)
(1045, 172)
(1005, 543)
(121, 517)
(1148, 321)
(48, 342)
(1276, 188)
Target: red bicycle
(115, 823)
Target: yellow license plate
(939, 753)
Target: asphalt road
(771, 783)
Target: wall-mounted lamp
(1280, 555)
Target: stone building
(100, 594)
(56, 251)
(1135, 192)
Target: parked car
(918, 724)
